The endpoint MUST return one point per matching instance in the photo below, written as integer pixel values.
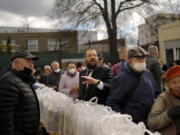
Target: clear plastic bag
(52, 106)
(85, 114)
(118, 124)
(69, 119)
(60, 114)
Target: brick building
(41, 42)
(101, 46)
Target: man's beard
(91, 66)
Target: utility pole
(8, 49)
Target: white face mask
(139, 66)
(72, 71)
(56, 70)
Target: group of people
(136, 86)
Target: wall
(169, 36)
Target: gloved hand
(174, 112)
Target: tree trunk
(112, 34)
(112, 38)
(111, 25)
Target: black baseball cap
(23, 54)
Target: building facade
(169, 42)
(148, 32)
(44, 40)
(101, 46)
(48, 44)
(86, 36)
(41, 42)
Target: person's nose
(93, 56)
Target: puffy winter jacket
(19, 107)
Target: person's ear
(15, 61)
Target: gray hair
(47, 67)
(153, 50)
(54, 62)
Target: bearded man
(94, 80)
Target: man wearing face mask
(95, 80)
(19, 107)
(133, 89)
(55, 76)
(69, 82)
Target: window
(33, 45)
(63, 43)
(4, 42)
(54, 44)
(13, 43)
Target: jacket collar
(26, 78)
(126, 67)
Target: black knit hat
(23, 54)
(137, 52)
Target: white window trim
(36, 44)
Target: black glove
(174, 112)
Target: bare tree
(26, 22)
(159, 6)
(82, 11)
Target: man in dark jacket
(19, 107)
(95, 80)
(153, 65)
(133, 90)
(54, 77)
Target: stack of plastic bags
(80, 117)
(52, 107)
(60, 114)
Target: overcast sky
(14, 12)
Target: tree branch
(131, 7)
(120, 5)
(99, 5)
(86, 9)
